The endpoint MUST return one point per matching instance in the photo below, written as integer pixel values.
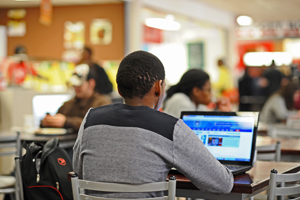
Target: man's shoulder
(121, 115)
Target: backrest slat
(115, 187)
(288, 177)
(85, 197)
(287, 190)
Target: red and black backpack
(45, 171)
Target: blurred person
(280, 105)
(250, 87)
(134, 143)
(274, 79)
(19, 66)
(72, 112)
(245, 86)
(191, 93)
(104, 86)
(225, 80)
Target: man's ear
(120, 92)
(158, 87)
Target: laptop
(229, 136)
(47, 103)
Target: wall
(47, 41)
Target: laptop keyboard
(234, 167)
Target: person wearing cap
(72, 112)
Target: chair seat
(7, 181)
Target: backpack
(44, 170)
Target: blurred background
(184, 34)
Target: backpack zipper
(37, 162)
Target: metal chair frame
(78, 184)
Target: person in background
(191, 93)
(134, 143)
(19, 66)
(274, 79)
(225, 80)
(104, 86)
(71, 113)
(280, 105)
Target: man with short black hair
(135, 143)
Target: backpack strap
(49, 147)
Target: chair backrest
(269, 152)
(78, 184)
(277, 185)
(10, 145)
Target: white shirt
(274, 110)
(181, 102)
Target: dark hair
(190, 79)
(287, 92)
(88, 49)
(103, 84)
(137, 73)
(20, 49)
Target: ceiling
(259, 10)
(23, 3)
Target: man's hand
(57, 121)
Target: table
(245, 185)
(65, 141)
(283, 130)
(289, 145)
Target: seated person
(280, 105)
(71, 113)
(192, 93)
(134, 143)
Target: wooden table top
(250, 182)
(289, 145)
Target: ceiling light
(167, 23)
(244, 20)
(259, 59)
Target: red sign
(153, 35)
(46, 12)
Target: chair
(11, 145)
(277, 185)
(269, 152)
(78, 184)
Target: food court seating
(78, 184)
(278, 186)
(10, 145)
(269, 152)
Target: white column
(133, 25)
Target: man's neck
(139, 102)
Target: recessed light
(244, 20)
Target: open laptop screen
(227, 137)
